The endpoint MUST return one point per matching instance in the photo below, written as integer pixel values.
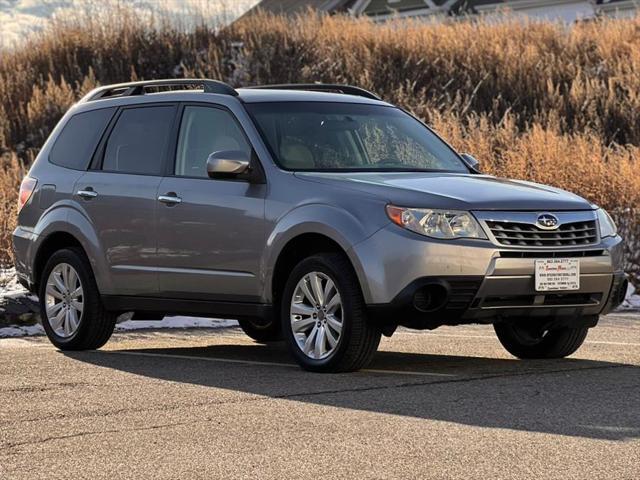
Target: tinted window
(138, 141)
(205, 130)
(79, 137)
(345, 136)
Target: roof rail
(138, 88)
(322, 87)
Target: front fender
(337, 224)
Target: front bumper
(484, 282)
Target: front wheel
(533, 342)
(324, 316)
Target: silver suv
(317, 213)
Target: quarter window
(76, 143)
(138, 141)
(205, 130)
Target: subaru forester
(315, 213)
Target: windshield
(348, 136)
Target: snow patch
(21, 331)
(632, 299)
(9, 284)
(130, 325)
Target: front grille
(529, 235)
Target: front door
(210, 232)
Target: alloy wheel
(316, 315)
(64, 300)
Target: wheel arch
(296, 249)
(53, 242)
(307, 230)
(67, 227)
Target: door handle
(169, 199)
(87, 193)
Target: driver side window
(205, 130)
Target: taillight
(27, 187)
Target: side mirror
(471, 162)
(228, 164)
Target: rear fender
(64, 217)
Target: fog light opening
(430, 298)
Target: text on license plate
(557, 274)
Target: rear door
(120, 195)
(211, 236)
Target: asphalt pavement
(212, 404)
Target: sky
(19, 17)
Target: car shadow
(573, 397)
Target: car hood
(453, 190)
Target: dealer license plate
(557, 274)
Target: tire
(527, 343)
(262, 331)
(357, 340)
(94, 324)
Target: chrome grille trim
(520, 230)
(526, 235)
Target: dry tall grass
(11, 173)
(585, 78)
(531, 100)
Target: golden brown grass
(584, 78)
(579, 162)
(11, 173)
(535, 101)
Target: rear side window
(76, 143)
(138, 141)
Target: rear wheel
(72, 313)
(324, 316)
(262, 330)
(534, 342)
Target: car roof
(245, 95)
(257, 95)
(129, 93)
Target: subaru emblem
(546, 221)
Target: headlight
(607, 225)
(444, 224)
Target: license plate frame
(557, 274)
